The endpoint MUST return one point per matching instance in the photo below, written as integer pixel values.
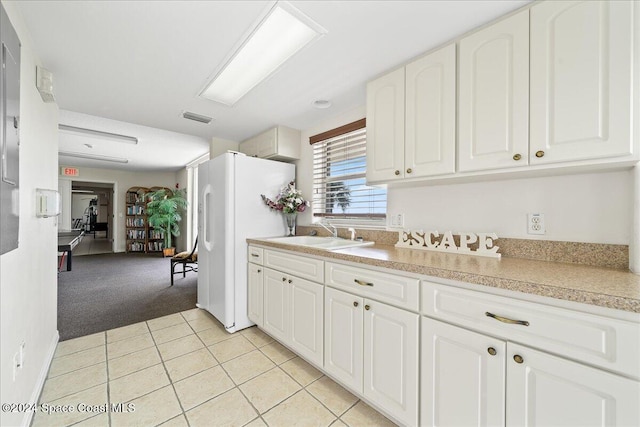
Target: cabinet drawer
(609, 343)
(391, 288)
(307, 268)
(256, 255)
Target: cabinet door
(391, 359)
(343, 337)
(430, 124)
(277, 293)
(267, 143)
(249, 147)
(494, 96)
(462, 382)
(385, 127)
(581, 80)
(306, 319)
(546, 390)
(255, 294)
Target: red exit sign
(70, 171)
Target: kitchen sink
(324, 243)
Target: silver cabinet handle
(507, 320)
(362, 282)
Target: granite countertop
(605, 287)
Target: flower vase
(291, 222)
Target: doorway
(92, 211)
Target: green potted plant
(163, 213)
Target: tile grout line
(314, 396)
(106, 355)
(232, 381)
(175, 393)
(255, 346)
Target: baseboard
(35, 395)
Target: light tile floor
(186, 370)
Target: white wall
(64, 220)
(595, 207)
(219, 146)
(123, 180)
(28, 277)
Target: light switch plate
(397, 220)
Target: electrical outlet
(535, 223)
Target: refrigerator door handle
(206, 226)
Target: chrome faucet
(333, 232)
(353, 232)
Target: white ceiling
(144, 63)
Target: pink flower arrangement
(289, 200)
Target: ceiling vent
(196, 117)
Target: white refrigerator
(230, 210)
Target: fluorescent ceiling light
(93, 157)
(278, 37)
(99, 133)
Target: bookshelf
(140, 237)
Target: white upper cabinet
(493, 101)
(430, 123)
(581, 80)
(385, 127)
(411, 116)
(278, 143)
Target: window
(340, 193)
(192, 197)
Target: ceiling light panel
(93, 157)
(279, 36)
(98, 133)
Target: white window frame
(192, 198)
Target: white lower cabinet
(255, 293)
(277, 296)
(545, 390)
(343, 336)
(307, 319)
(293, 313)
(476, 359)
(462, 382)
(372, 348)
(468, 377)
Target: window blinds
(339, 179)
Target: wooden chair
(189, 261)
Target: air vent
(196, 117)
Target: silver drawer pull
(362, 282)
(507, 320)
